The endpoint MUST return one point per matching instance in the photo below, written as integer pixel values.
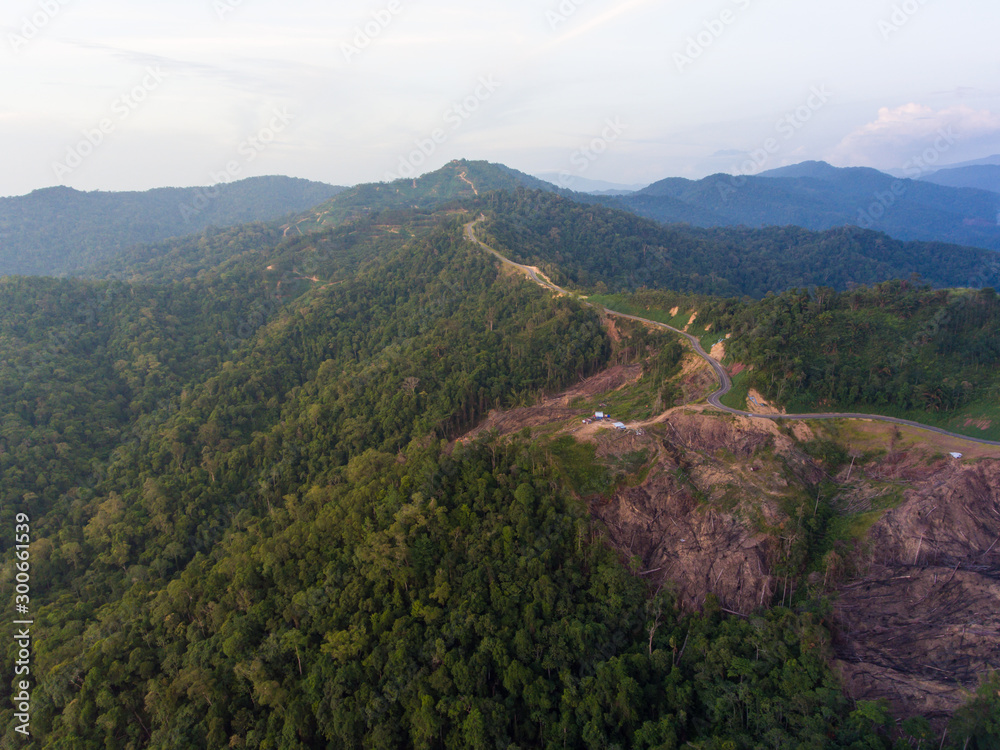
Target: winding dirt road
(725, 384)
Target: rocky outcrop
(703, 519)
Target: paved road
(725, 384)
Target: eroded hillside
(902, 539)
(922, 622)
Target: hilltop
(460, 179)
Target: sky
(116, 95)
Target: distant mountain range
(987, 161)
(979, 176)
(59, 230)
(573, 238)
(585, 185)
(817, 196)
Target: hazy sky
(116, 95)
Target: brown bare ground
(867, 435)
(920, 620)
(613, 333)
(923, 623)
(674, 521)
(557, 408)
(917, 620)
(697, 379)
(762, 405)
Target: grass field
(737, 397)
(634, 403)
(978, 420)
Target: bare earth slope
(917, 618)
(924, 622)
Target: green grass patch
(737, 397)
(622, 303)
(636, 401)
(829, 452)
(851, 528)
(633, 468)
(579, 466)
(635, 461)
(588, 476)
(708, 339)
(987, 413)
(964, 421)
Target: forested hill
(253, 526)
(818, 196)
(459, 179)
(891, 347)
(390, 205)
(60, 231)
(896, 348)
(598, 247)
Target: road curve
(725, 383)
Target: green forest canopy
(253, 530)
(602, 249)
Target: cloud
(962, 92)
(251, 75)
(597, 23)
(901, 133)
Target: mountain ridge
(818, 196)
(979, 176)
(60, 230)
